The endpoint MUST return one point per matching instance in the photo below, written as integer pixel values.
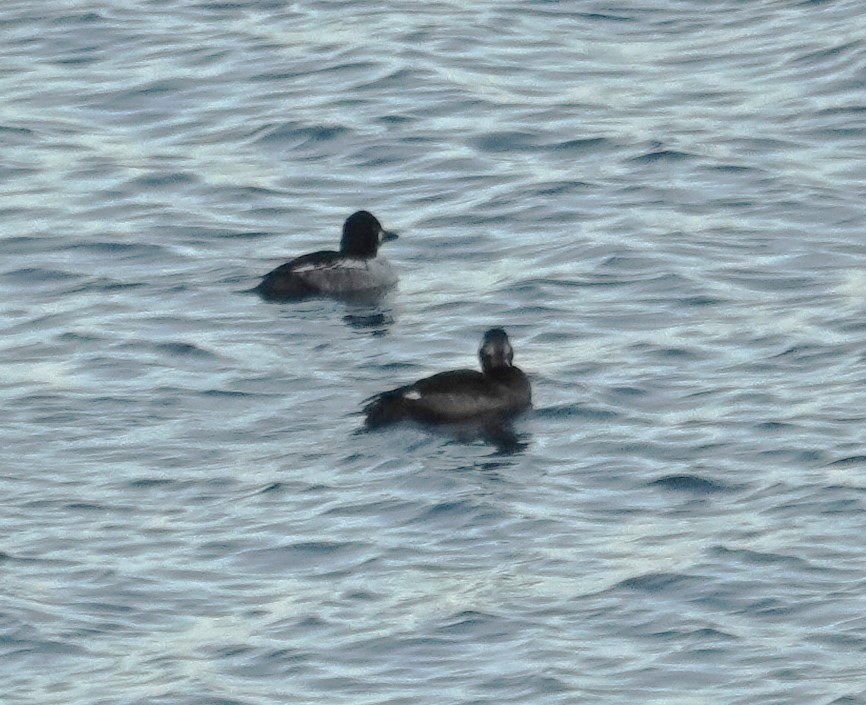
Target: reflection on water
(497, 433)
(366, 310)
(377, 322)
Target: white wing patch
(412, 394)
(345, 263)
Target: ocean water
(663, 203)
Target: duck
(498, 392)
(356, 268)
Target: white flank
(348, 274)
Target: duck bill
(387, 236)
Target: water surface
(661, 202)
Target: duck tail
(384, 409)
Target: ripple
(315, 557)
(580, 411)
(36, 275)
(185, 350)
(693, 484)
(853, 460)
(658, 582)
(299, 135)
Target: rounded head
(495, 351)
(362, 235)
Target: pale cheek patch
(492, 352)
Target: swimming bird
(354, 269)
(498, 392)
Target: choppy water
(663, 203)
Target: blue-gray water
(664, 205)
